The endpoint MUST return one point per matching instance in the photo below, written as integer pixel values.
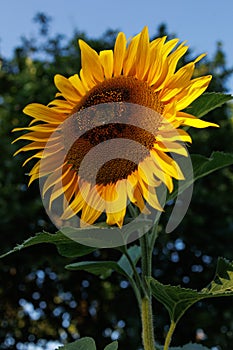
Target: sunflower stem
(146, 310)
(146, 262)
(169, 335)
(135, 283)
(146, 303)
(138, 280)
(136, 292)
(147, 324)
(153, 237)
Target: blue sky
(201, 22)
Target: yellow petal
(143, 54)
(172, 147)
(68, 91)
(32, 146)
(167, 164)
(106, 59)
(39, 127)
(181, 77)
(146, 173)
(37, 155)
(92, 68)
(174, 135)
(77, 204)
(160, 174)
(134, 194)
(51, 162)
(138, 200)
(150, 195)
(169, 46)
(62, 106)
(116, 218)
(54, 178)
(194, 90)
(84, 81)
(174, 58)
(43, 113)
(130, 59)
(34, 173)
(190, 120)
(93, 207)
(119, 54)
(157, 70)
(33, 177)
(117, 197)
(77, 84)
(61, 187)
(37, 136)
(69, 193)
(200, 57)
(132, 179)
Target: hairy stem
(139, 283)
(146, 310)
(169, 335)
(147, 325)
(146, 261)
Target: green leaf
(81, 344)
(207, 102)
(100, 268)
(87, 344)
(105, 268)
(189, 346)
(222, 285)
(203, 166)
(177, 300)
(112, 346)
(68, 247)
(65, 246)
(104, 236)
(135, 254)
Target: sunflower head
(111, 135)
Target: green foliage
(99, 268)
(203, 166)
(105, 268)
(189, 346)
(178, 300)
(65, 246)
(206, 231)
(97, 235)
(87, 344)
(208, 102)
(81, 344)
(134, 253)
(112, 346)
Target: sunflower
(140, 73)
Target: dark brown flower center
(115, 121)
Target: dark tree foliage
(39, 300)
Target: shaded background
(42, 304)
